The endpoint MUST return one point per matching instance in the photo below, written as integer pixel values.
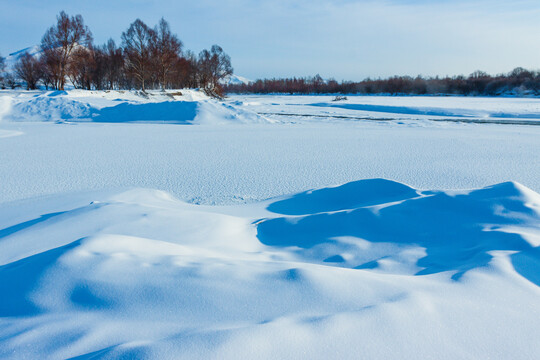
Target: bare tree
(2, 69)
(49, 67)
(28, 68)
(82, 67)
(167, 49)
(213, 66)
(98, 70)
(59, 43)
(187, 71)
(137, 44)
(114, 65)
(10, 81)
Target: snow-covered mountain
(235, 80)
(12, 58)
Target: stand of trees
(148, 58)
(518, 82)
(154, 58)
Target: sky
(341, 39)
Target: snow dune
(372, 268)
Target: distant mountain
(12, 58)
(235, 80)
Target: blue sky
(344, 39)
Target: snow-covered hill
(371, 268)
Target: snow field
(242, 163)
(219, 264)
(397, 107)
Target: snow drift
(185, 107)
(372, 268)
(457, 231)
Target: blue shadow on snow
(457, 231)
(179, 112)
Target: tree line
(147, 58)
(517, 82)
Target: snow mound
(324, 273)
(51, 107)
(180, 107)
(457, 232)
